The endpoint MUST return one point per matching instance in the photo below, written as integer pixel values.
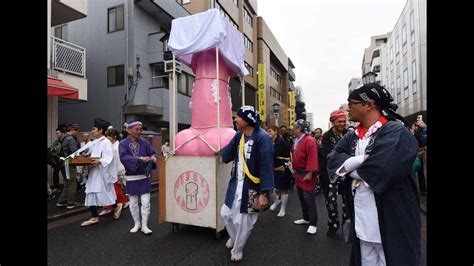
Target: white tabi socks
(135, 211)
(276, 202)
(284, 200)
(145, 210)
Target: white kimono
(120, 167)
(100, 183)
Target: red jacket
(305, 157)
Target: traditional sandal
(89, 222)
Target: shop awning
(58, 88)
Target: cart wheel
(175, 227)
(218, 235)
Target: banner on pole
(291, 109)
(261, 92)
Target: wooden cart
(192, 191)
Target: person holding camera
(420, 131)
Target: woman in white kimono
(102, 173)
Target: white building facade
(403, 61)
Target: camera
(419, 117)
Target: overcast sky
(325, 40)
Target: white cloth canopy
(206, 30)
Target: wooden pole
(243, 90)
(218, 102)
(174, 104)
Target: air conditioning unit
(168, 55)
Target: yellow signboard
(261, 92)
(291, 95)
(291, 109)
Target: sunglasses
(356, 102)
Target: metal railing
(68, 57)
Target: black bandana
(381, 97)
(303, 125)
(248, 114)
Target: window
(248, 43)
(412, 27)
(165, 46)
(405, 83)
(182, 83)
(275, 75)
(190, 84)
(115, 21)
(413, 76)
(276, 94)
(61, 32)
(115, 76)
(183, 2)
(185, 83)
(159, 78)
(247, 16)
(399, 96)
(397, 50)
(249, 68)
(236, 2)
(404, 39)
(224, 13)
(391, 54)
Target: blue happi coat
(387, 170)
(260, 165)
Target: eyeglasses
(356, 102)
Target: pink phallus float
(207, 42)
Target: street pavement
(274, 241)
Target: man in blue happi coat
(251, 149)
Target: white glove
(353, 163)
(355, 175)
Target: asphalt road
(274, 241)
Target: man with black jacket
(330, 190)
(59, 167)
(70, 144)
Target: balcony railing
(291, 74)
(291, 86)
(68, 57)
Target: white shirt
(120, 167)
(365, 210)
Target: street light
(369, 77)
(276, 112)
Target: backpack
(54, 152)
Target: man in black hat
(251, 149)
(376, 161)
